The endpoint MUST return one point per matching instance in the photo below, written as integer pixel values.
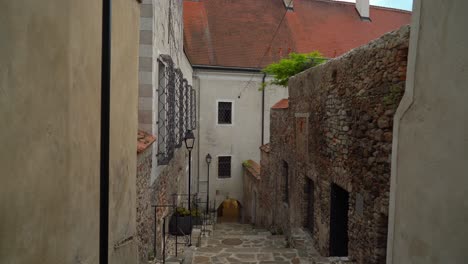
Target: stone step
(174, 260)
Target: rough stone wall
(172, 180)
(251, 179)
(338, 129)
(266, 192)
(250, 186)
(144, 210)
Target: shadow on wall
(229, 211)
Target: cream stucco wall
(429, 189)
(124, 124)
(50, 83)
(242, 139)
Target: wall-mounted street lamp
(208, 161)
(189, 143)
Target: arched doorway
(229, 211)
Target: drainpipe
(105, 130)
(263, 108)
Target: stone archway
(230, 210)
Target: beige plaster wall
(50, 68)
(124, 124)
(429, 208)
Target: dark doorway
(230, 211)
(339, 221)
(309, 193)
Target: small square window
(224, 167)
(224, 113)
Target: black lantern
(208, 161)
(208, 158)
(189, 140)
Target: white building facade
(234, 123)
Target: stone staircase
(240, 243)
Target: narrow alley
(233, 131)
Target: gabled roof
(144, 140)
(265, 148)
(281, 104)
(253, 168)
(237, 33)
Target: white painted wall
(166, 25)
(429, 188)
(240, 140)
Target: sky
(400, 4)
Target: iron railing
(163, 236)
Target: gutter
(263, 109)
(105, 132)
(224, 68)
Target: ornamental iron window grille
(183, 109)
(187, 106)
(166, 110)
(224, 113)
(194, 109)
(224, 167)
(178, 130)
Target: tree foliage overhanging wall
(292, 65)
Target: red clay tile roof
(265, 148)
(237, 33)
(281, 104)
(144, 141)
(252, 167)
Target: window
(163, 121)
(224, 167)
(166, 110)
(224, 113)
(179, 136)
(286, 182)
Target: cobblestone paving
(237, 243)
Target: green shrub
(292, 65)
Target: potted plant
(180, 223)
(196, 217)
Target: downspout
(263, 108)
(196, 83)
(105, 130)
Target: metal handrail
(165, 235)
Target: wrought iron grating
(224, 112)
(183, 117)
(194, 109)
(165, 110)
(178, 108)
(224, 167)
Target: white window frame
(232, 111)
